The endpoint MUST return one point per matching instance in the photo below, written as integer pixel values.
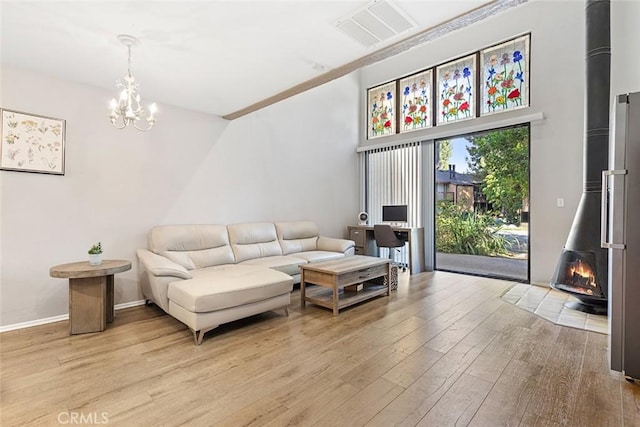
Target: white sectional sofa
(206, 275)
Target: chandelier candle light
(127, 109)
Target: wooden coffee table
(332, 276)
(90, 293)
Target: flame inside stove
(584, 271)
(580, 274)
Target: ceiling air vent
(376, 22)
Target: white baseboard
(60, 318)
(129, 304)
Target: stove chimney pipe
(584, 237)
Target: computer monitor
(394, 213)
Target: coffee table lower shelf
(324, 296)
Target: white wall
(293, 160)
(557, 91)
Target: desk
(90, 293)
(414, 236)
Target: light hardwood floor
(443, 350)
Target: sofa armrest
(335, 245)
(158, 265)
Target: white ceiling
(211, 56)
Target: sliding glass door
(482, 203)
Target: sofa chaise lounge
(207, 275)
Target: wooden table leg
(109, 308)
(335, 296)
(87, 297)
(302, 289)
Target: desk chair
(386, 238)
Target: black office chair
(386, 238)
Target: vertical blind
(394, 177)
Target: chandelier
(127, 110)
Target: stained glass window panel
(505, 76)
(456, 90)
(415, 99)
(381, 102)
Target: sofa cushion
(286, 263)
(253, 240)
(297, 236)
(228, 286)
(192, 246)
(317, 256)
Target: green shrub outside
(460, 231)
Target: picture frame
(455, 88)
(31, 143)
(416, 104)
(381, 117)
(505, 76)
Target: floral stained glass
(456, 90)
(416, 101)
(505, 76)
(381, 102)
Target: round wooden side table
(91, 301)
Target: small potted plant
(95, 254)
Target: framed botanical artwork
(415, 101)
(505, 76)
(381, 101)
(32, 143)
(455, 89)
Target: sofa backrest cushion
(192, 246)
(297, 236)
(253, 240)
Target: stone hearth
(549, 304)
